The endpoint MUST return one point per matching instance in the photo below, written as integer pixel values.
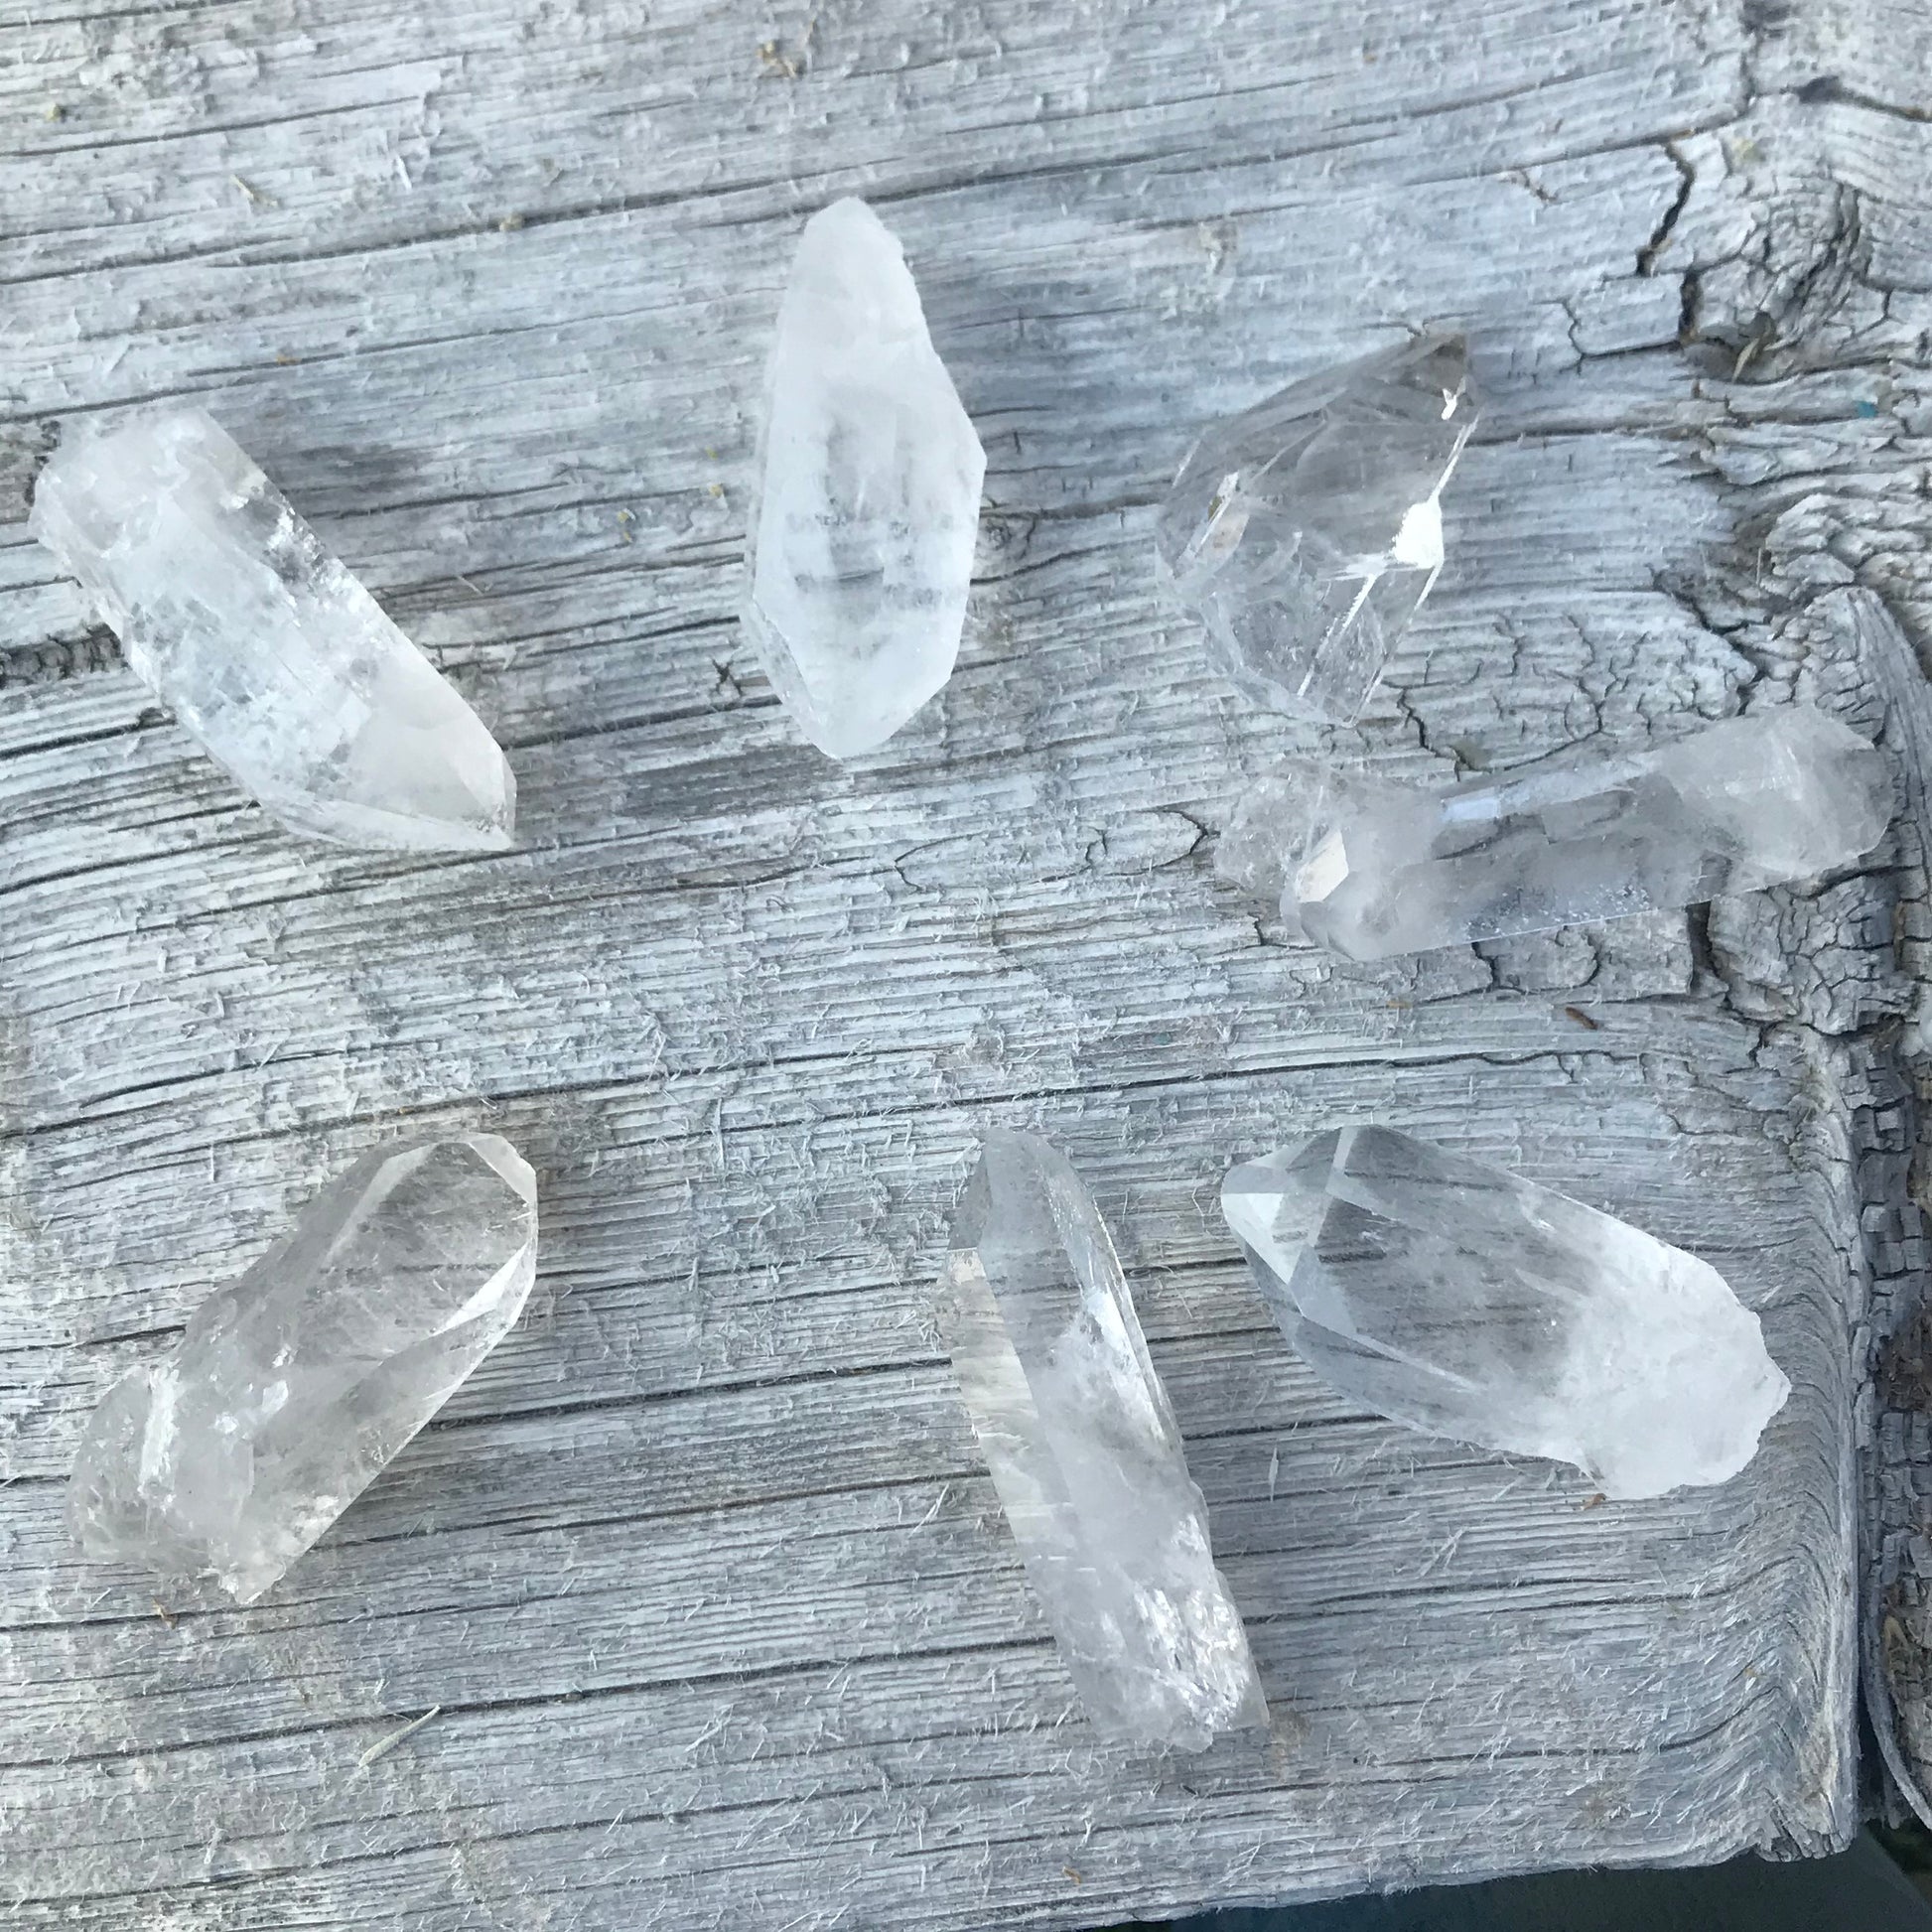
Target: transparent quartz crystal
(294, 1386)
(1374, 869)
(1466, 1302)
(861, 531)
(1087, 1455)
(1304, 532)
(264, 646)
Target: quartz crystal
(267, 650)
(1266, 832)
(1466, 1302)
(860, 545)
(1087, 1455)
(1375, 869)
(293, 1387)
(1304, 532)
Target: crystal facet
(1466, 1302)
(1304, 532)
(862, 533)
(293, 1387)
(267, 650)
(1376, 868)
(1086, 1454)
(1265, 836)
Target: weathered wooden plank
(702, 1570)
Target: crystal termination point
(1376, 870)
(279, 661)
(1467, 1301)
(861, 531)
(295, 1385)
(1304, 532)
(1087, 1457)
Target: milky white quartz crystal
(862, 532)
(1305, 532)
(264, 645)
(1374, 869)
(1466, 1302)
(293, 1387)
(1087, 1455)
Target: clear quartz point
(1086, 1454)
(1374, 869)
(1466, 1302)
(862, 530)
(1304, 532)
(293, 1387)
(265, 648)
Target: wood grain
(702, 1573)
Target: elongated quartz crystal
(862, 532)
(266, 649)
(1087, 1455)
(1305, 532)
(1466, 1302)
(293, 1387)
(1375, 869)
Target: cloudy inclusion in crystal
(1305, 532)
(293, 1387)
(266, 649)
(861, 531)
(1087, 1455)
(1467, 1301)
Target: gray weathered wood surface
(702, 1575)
